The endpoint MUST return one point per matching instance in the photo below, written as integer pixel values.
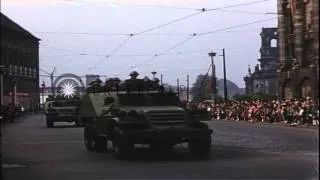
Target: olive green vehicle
(126, 118)
(62, 111)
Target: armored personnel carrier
(139, 111)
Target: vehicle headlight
(208, 109)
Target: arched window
(306, 88)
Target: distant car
(61, 111)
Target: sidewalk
(281, 123)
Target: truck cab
(61, 111)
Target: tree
(201, 88)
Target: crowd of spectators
(294, 112)
(9, 112)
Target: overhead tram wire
(80, 33)
(168, 23)
(197, 13)
(164, 51)
(236, 26)
(141, 5)
(59, 49)
(237, 5)
(245, 12)
(113, 52)
(205, 33)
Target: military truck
(128, 117)
(62, 111)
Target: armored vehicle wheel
(94, 142)
(49, 123)
(201, 148)
(122, 147)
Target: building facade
(298, 61)
(264, 79)
(20, 58)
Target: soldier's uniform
(134, 84)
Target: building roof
(8, 23)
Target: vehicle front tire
(88, 139)
(122, 147)
(100, 144)
(78, 123)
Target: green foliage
(200, 89)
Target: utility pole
(161, 79)
(224, 76)
(178, 87)
(213, 76)
(187, 88)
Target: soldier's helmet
(146, 78)
(134, 74)
(156, 80)
(96, 82)
(116, 79)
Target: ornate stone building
(20, 58)
(264, 78)
(298, 62)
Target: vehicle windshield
(65, 103)
(169, 99)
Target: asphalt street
(240, 151)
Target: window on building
(306, 88)
(11, 70)
(34, 73)
(30, 73)
(273, 43)
(15, 70)
(25, 72)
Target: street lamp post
(42, 89)
(153, 74)
(213, 76)
(1, 83)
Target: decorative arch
(71, 78)
(305, 87)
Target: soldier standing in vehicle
(95, 86)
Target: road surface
(240, 151)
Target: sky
(93, 36)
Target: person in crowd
(293, 111)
